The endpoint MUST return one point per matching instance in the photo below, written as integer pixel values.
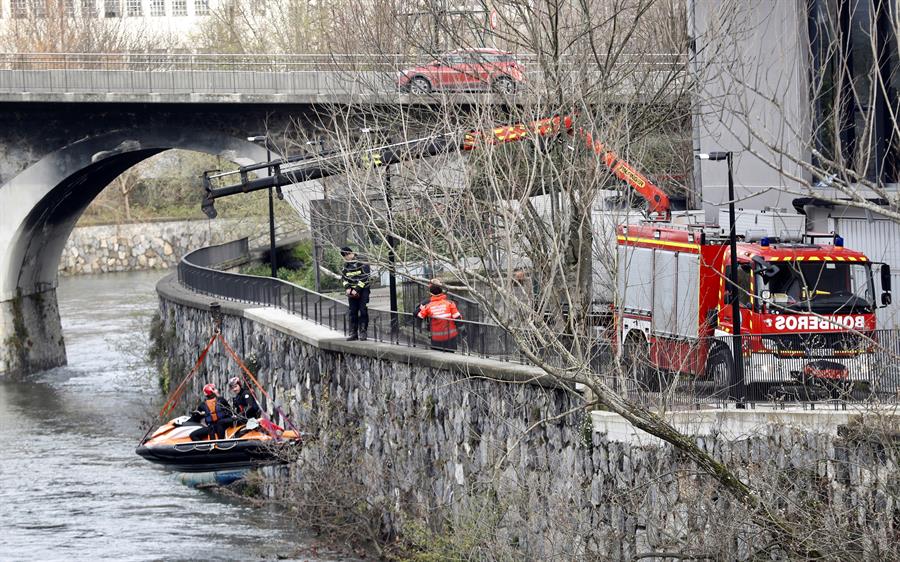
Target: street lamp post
(315, 235)
(392, 246)
(392, 256)
(273, 260)
(736, 389)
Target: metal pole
(392, 256)
(273, 261)
(738, 392)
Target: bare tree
(269, 26)
(480, 217)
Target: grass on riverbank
(304, 274)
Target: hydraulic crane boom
(297, 170)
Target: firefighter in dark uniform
(243, 404)
(216, 412)
(356, 279)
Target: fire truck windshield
(818, 286)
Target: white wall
(751, 96)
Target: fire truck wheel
(719, 366)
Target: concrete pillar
(31, 336)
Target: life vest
(214, 410)
(442, 312)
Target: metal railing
(201, 271)
(200, 62)
(298, 74)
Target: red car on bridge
(465, 69)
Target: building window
(88, 8)
(201, 7)
(112, 8)
(158, 8)
(19, 8)
(133, 8)
(854, 51)
(39, 9)
(69, 7)
(179, 7)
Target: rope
(173, 399)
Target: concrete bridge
(71, 123)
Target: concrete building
(789, 85)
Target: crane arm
(297, 170)
(657, 200)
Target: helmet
(234, 381)
(210, 389)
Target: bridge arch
(40, 207)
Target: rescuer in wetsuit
(216, 412)
(243, 405)
(355, 277)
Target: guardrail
(836, 369)
(149, 73)
(199, 271)
(200, 62)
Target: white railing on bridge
(264, 74)
(201, 62)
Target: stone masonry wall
(151, 245)
(445, 449)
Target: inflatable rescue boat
(176, 445)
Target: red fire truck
(807, 308)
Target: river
(71, 487)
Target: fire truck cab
(807, 308)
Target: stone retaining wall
(432, 439)
(151, 245)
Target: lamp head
(713, 156)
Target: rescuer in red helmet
(215, 412)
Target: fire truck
(807, 303)
(807, 306)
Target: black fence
(835, 368)
(202, 271)
(413, 293)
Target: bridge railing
(150, 73)
(200, 62)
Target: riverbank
(156, 245)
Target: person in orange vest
(443, 313)
(215, 411)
